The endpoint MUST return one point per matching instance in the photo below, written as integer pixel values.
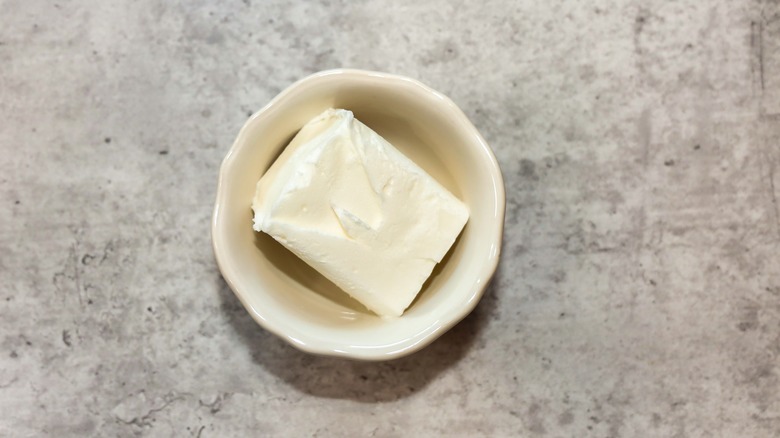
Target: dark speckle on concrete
(746, 326)
(640, 21)
(534, 419)
(66, 338)
(558, 276)
(566, 418)
(528, 170)
(749, 320)
(163, 152)
(215, 37)
(107, 140)
(443, 52)
(519, 250)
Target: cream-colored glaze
(358, 211)
(292, 300)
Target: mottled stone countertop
(638, 293)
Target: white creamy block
(358, 211)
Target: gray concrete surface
(639, 290)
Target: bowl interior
(289, 297)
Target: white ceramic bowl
(290, 299)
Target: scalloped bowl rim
(301, 340)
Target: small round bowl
(290, 299)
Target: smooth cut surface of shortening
(358, 211)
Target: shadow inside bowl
(367, 382)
